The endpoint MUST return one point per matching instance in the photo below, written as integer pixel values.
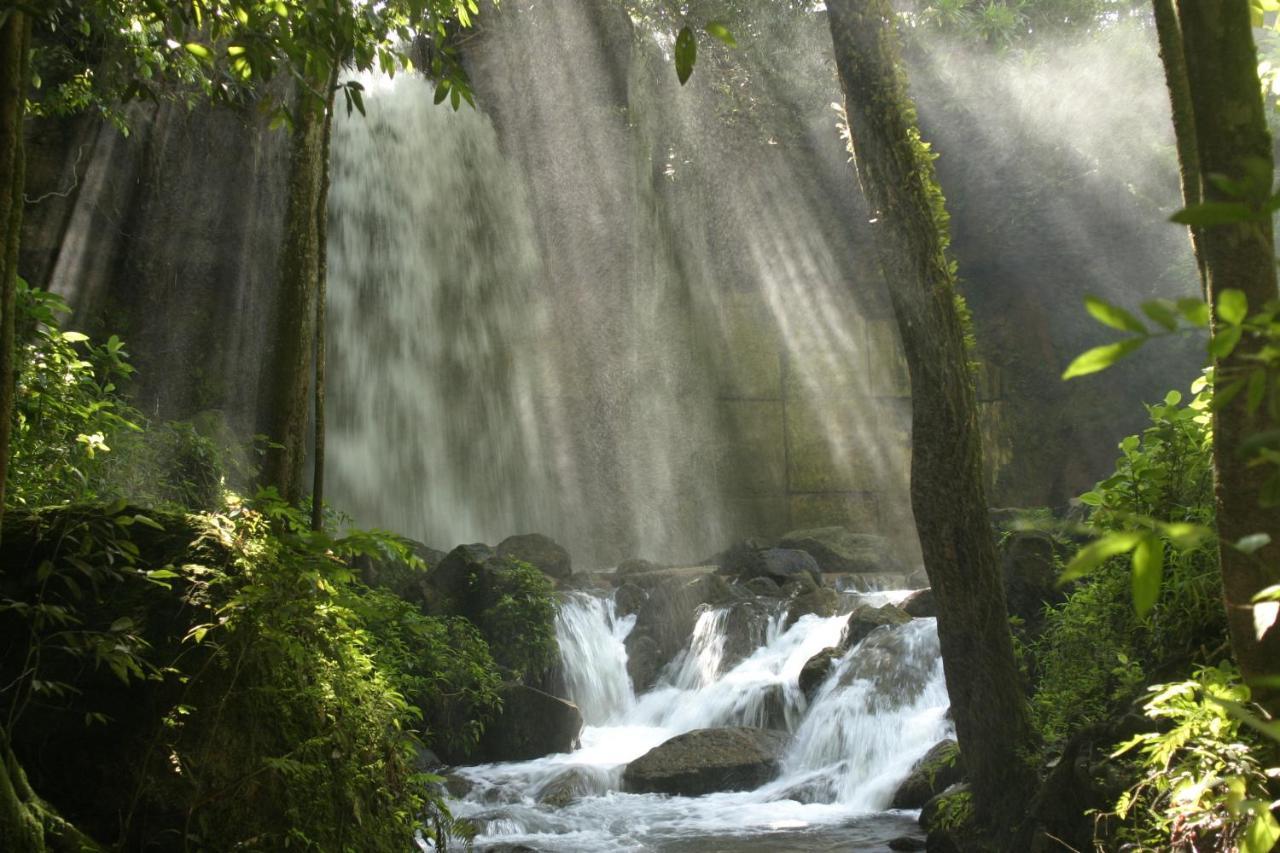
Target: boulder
(920, 604)
(739, 556)
(840, 550)
(936, 771)
(950, 822)
(705, 761)
(745, 628)
(816, 669)
(1030, 574)
(907, 843)
(780, 565)
(541, 552)
(865, 619)
(460, 576)
(532, 724)
(821, 601)
(637, 566)
(766, 587)
(628, 599)
(899, 668)
(571, 785)
(395, 576)
(644, 661)
(667, 617)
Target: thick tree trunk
(289, 376)
(15, 34)
(1232, 140)
(1169, 31)
(947, 496)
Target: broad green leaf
(1113, 316)
(1185, 535)
(442, 92)
(1196, 311)
(162, 574)
(1212, 213)
(1173, 398)
(1091, 499)
(1233, 306)
(1148, 573)
(124, 623)
(1100, 358)
(1224, 342)
(1262, 834)
(1271, 593)
(74, 337)
(1162, 312)
(686, 54)
(198, 50)
(715, 29)
(1095, 553)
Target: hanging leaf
(1094, 554)
(1148, 573)
(1233, 306)
(1100, 358)
(1224, 342)
(1113, 316)
(1162, 312)
(1212, 213)
(1196, 311)
(686, 54)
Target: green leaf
(198, 50)
(1100, 358)
(1252, 542)
(1233, 306)
(1148, 572)
(1113, 316)
(124, 623)
(1262, 834)
(1095, 553)
(1224, 342)
(1196, 311)
(686, 54)
(74, 337)
(162, 574)
(715, 29)
(442, 92)
(1162, 312)
(1264, 617)
(1091, 499)
(1212, 213)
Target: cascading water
(881, 707)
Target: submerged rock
(571, 785)
(705, 761)
(532, 724)
(840, 550)
(541, 552)
(936, 771)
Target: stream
(878, 711)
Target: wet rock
(745, 627)
(907, 843)
(865, 619)
(839, 550)
(541, 552)
(920, 604)
(821, 601)
(816, 669)
(567, 787)
(667, 618)
(629, 599)
(766, 587)
(644, 661)
(706, 761)
(637, 566)
(898, 668)
(532, 724)
(461, 577)
(1030, 575)
(740, 556)
(457, 786)
(396, 576)
(870, 581)
(782, 565)
(950, 822)
(936, 771)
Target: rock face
(532, 724)
(539, 551)
(920, 604)
(666, 618)
(408, 583)
(938, 770)
(706, 761)
(778, 564)
(816, 670)
(1030, 576)
(839, 550)
(865, 619)
(460, 575)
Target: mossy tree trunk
(15, 37)
(1232, 140)
(947, 494)
(289, 378)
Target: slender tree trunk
(1169, 32)
(947, 495)
(289, 376)
(15, 36)
(1232, 140)
(322, 290)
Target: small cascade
(591, 637)
(880, 709)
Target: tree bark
(1169, 32)
(1232, 140)
(288, 381)
(947, 493)
(322, 290)
(15, 36)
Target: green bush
(518, 619)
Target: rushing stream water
(882, 706)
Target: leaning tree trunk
(1232, 140)
(947, 494)
(15, 36)
(288, 381)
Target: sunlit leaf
(1095, 553)
(1233, 306)
(1162, 312)
(1224, 342)
(1148, 573)
(1264, 617)
(1196, 311)
(718, 30)
(1100, 358)
(1113, 315)
(1211, 213)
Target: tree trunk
(288, 381)
(15, 35)
(947, 494)
(322, 291)
(1169, 31)
(1232, 140)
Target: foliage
(1004, 24)
(518, 618)
(1201, 786)
(1097, 647)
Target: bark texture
(1232, 140)
(947, 496)
(289, 374)
(15, 35)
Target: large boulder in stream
(936, 771)
(839, 550)
(541, 552)
(778, 564)
(532, 724)
(865, 619)
(705, 761)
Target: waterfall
(880, 708)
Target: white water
(880, 709)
